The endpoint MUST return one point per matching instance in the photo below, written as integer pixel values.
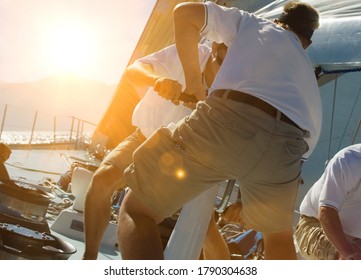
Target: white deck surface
(37, 164)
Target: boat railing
(24, 128)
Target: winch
(17, 242)
(24, 231)
(24, 205)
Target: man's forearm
(332, 227)
(141, 75)
(188, 21)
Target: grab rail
(76, 134)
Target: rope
(339, 71)
(33, 170)
(356, 132)
(349, 118)
(66, 158)
(332, 118)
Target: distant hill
(60, 96)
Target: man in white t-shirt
(261, 116)
(330, 225)
(161, 71)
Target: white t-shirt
(154, 111)
(268, 62)
(339, 187)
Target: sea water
(43, 137)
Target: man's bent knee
(108, 179)
(132, 206)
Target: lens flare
(180, 174)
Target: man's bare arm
(143, 75)
(331, 224)
(189, 19)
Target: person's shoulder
(349, 157)
(170, 47)
(349, 150)
(170, 50)
(356, 147)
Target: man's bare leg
(106, 180)
(138, 233)
(279, 246)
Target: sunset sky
(92, 38)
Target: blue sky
(93, 38)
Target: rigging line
(332, 119)
(356, 132)
(31, 169)
(66, 158)
(349, 119)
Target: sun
(70, 47)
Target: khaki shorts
(221, 140)
(312, 242)
(121, 155)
